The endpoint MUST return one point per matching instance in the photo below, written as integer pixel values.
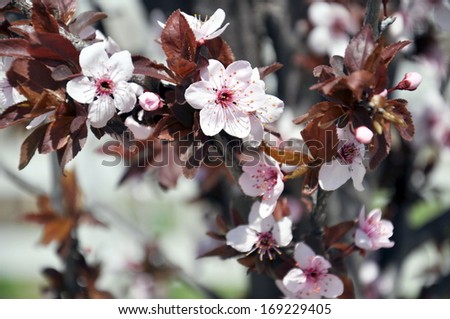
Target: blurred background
(412, 186)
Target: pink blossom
(310, 279)
(150, 101)
(225, 98)
(104, 84)
(410, 81)
(348, 164)
(363, 134)
(263, 179)
(373, 232)
(264, 235)
(332, 24)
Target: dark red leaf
(86, 19)
(14, 114)
(42, 19)
(317, 110)
(336, 232)
(359, 49)
(390, 51)
(4, 3)
(182, 67)
(14, 48)
(145, 66)
(222, 251)
(169, 128)
(406, 128)
(177, 38)
(56, 136)
(30, 145)
(322, 143)
(220, 50)
(349, 290)
(65, 8)
(380, 147)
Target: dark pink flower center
(266, 244)
(348, 152)
(224, 97)
(265, 179)
(104, 86)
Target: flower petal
(124, 97)
(239, 71)
(294, 280)
(212, 120)
(362, 240)
(214, 22)
(216, 33)
(241, 238)
(200, 95)
(271, 110)
(81, 89)
(101, 111)
(283, 231)
(120, 66)
(333, 175)
(93, 60)
(247, 183)
(237, 123)
(320, 264)
(357, 172)
(331, 286)
(303, 254)
(213, 73)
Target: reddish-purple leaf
(64, 8)
(359, 49)
(14, 48)
(4, 3)
(220, 50)
(56, 136)
(177, 38)
(181, 67)
(380, 147)
(145, 66)
(406, 129)
(30, 145)
(266, 70)
(336, 232)
(14, 114)
(390, 51)
(86, 19)
(42, 19)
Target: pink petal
(239, 71)
(213, 23)
(150, 101)
(248, 184)
(101, 111)
(241, 238)
(357, 172)
(331, 286)
(363, 134)
(294, 280)
(303, 254)
(362, 240)
(213, 73)
(212, 120)
(81, 89)
(271, 110)
(320, 264)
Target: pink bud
(150, 101)
(410, 81)
(363, 134)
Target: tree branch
(372, 16)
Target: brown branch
(372, 16)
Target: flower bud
(363, 134)
(150, 101)
(410, 81)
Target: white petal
(362, 240)
(237, 123)
(251, 98)
(331, 286)
(333, 175)
(303, 254)
(120, 66)
(319, 40)
(101, 111)
(320, 264)
(217, 33)
(241, 238)
(124, 97)
(212, 120)
(319, 13)
(294, 280)
(267, 206)
(200, 94)
(140, 132)
(256, 131)
(214, 22)
(214, 73)
(357, 172)
(239, 71)
(81, 89)
(271, 110)
(283, 231)
(93, 60)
